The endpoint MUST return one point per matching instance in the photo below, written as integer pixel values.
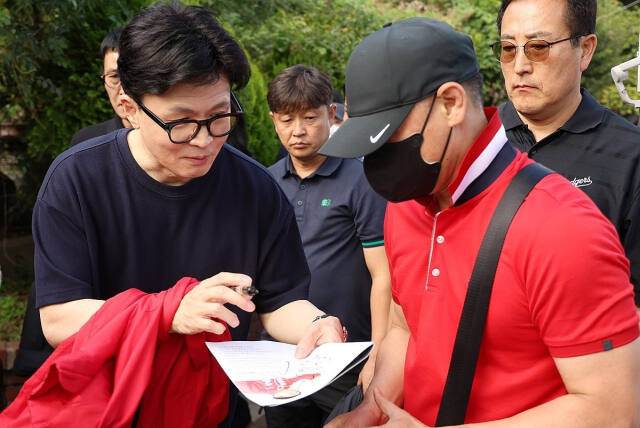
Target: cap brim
(359, 136)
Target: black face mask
(397, 172)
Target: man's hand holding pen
(206, 301)
(249, 291)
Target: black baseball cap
(390, 71)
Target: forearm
(289, 322)
(603, 391)
(388, 377)
(389, 374)
(380, 303)
(62, 320)
(567, 411)
(380, 300)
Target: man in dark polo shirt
(561, 125)
(110, 52)
(340, 220)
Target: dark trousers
(311, 411)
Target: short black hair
(473, 87)
(337, 96)
(580, 17)
(110, 42)
(299, 88)
(169, 43)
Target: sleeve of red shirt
(575, 274)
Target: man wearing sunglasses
(544, 47)
(143, 207)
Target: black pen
(250, 291)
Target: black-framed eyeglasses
(535, 50)
(185, 130)
(112, 80)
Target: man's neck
(149, 163)
(549, 121)
(468, 133)
(307, 166)
(125, 123)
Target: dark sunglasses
(534, 50)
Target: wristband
(319, 317)
(345, 333)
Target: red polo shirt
(561, 288)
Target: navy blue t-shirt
(102, 225)
(338, 214)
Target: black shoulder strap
(457, 389)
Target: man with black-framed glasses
(143, 207)
(184, 130)
(544, 47)
(111, 80)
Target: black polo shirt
(598, 152)
(337, 214)
(96, 130)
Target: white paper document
(268, 374)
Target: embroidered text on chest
(581, 182)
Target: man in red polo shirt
(560, 346)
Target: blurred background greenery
(50, 62)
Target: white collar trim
(482, 162)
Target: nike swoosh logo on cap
(377, 137)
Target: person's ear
(455, 101)
(131, 110)
(588, 45)
(273, 118)
(331, 113)
(275, 125)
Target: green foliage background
(49, 60)
(12, 309)
(617, 32)
(49, 85)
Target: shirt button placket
(300, 197)
(435, 240)
(435, 271)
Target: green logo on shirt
(325, 202)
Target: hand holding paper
(269, 374)
(325, 330)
